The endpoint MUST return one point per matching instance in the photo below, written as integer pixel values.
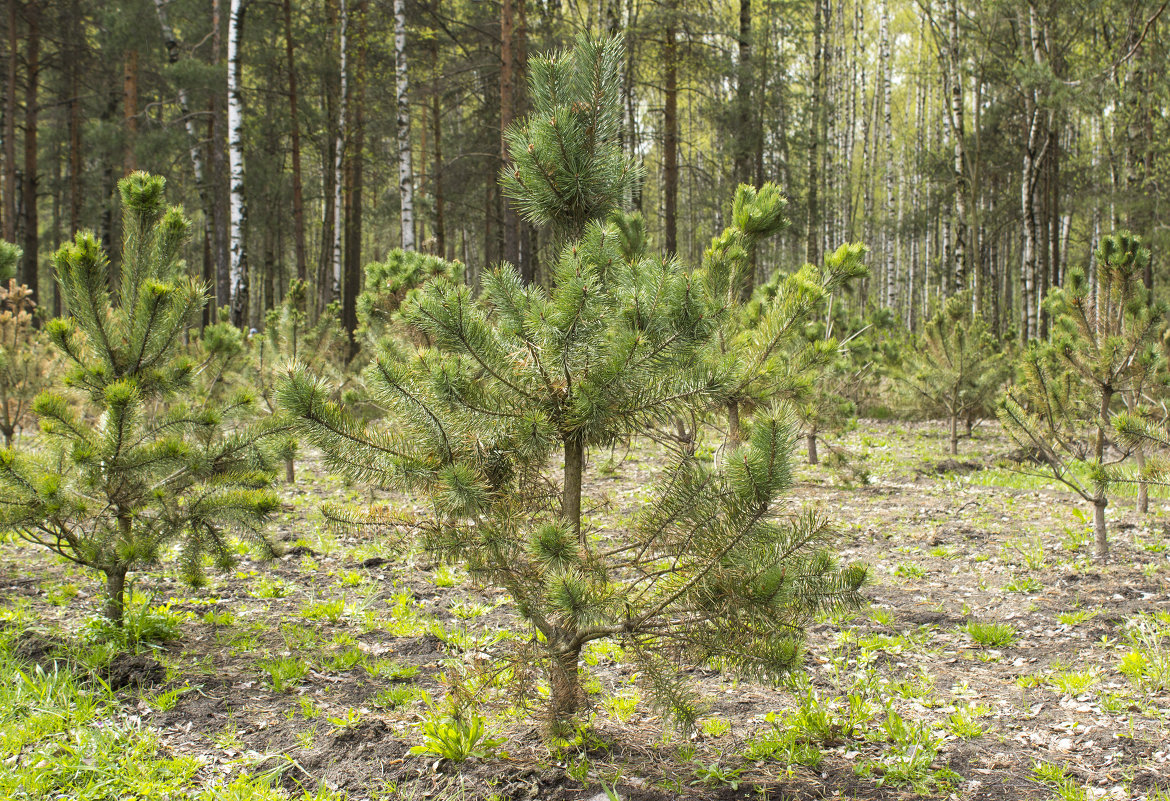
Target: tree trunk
(298, 195)
(744, 136)
(402, 100)
(115, 606)
(956, 119)
(437, 137)
(10, 126)
(565, 693)
(239, 208)
(29, 190)
(571, 499)
(670, 129)
(812, 250)
(1143, 497)
(811, 440)
(1100, 541)
(339, 150)
(219, 189)
(889, 234)
(130, 111)
(511, 227)
(355, 165)
(290, 471)
(954, 434)
(734, 427)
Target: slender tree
(125, 467)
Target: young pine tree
(123, 466)
(761, 345)
(493, 423)
(957, 369)
(290, 337)
(23, 356)
(1064, 408)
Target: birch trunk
(889, 235)
(238, 207)
(956, 120)
(405, 171)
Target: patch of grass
(715, 727)
(991, 635)
(332, 610)
(1056, 777)
(965, 722)
(623, 706)
(909, 570)
(1075, 617)
(1146, 663)
(1073, 682)
(1024, 584)
(285, 673)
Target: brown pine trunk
(670, 128)
(571, 499)
(437, 137)
(744, 136)
(734, 427)
(290, 471)
(115, 601)
(298, 195)
(29, 189)
(565, 693)
(511, 227)
(218, 187)
(130, 110)
(354, 171)
(954, 434)
(10, 127)
(811, 439)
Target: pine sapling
(956, 369)
(493, 422)
(123, 466)
(1064, 409)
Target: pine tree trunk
(565, 693)
(1101, 551)
(511, 222)
(10, 127)
(811, 440)
(1100, 541)
(31, 226)
(130, 111)
(354, 170)
(1143, 496)
(437, 137)
(239, 208)
(298, 195)
(734, 427)
(115, 601)
(220, 189)
(571, 499)
(402, 99)
(290, 471)
(954, 434)
(670, 129)
(745, 134)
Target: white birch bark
(889, 234)
(238, 269)
(172, 45)
(405, 170)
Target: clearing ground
(997, 660)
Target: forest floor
(996, 660)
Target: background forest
(984, 146)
